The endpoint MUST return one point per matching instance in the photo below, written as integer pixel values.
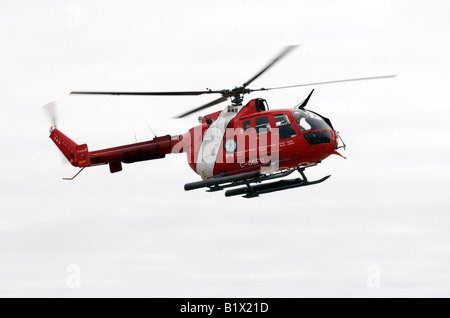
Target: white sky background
(138, 233)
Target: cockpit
(316, 130)
(309, 121)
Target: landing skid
(249, 181)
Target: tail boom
(80, 156)
(156, 148)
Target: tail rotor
(50, 110)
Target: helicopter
(247, 149)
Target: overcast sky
(379, 227)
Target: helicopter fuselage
(247, 138)
(238, 139)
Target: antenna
(151, 130)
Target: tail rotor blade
(50, 109)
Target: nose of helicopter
(335, 144)
(327, 140)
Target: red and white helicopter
(244, 147)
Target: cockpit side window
(262, 124)
(284, 126)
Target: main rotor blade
(328, 82)
(282, 54)
(186, 93)
(214, 102)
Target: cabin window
(285, 128)
(247, 126)
(262, 125)
(261, 105)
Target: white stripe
(212, 140)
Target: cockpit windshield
(308, 120)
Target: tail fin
(77, 155)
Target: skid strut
(74, 175)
